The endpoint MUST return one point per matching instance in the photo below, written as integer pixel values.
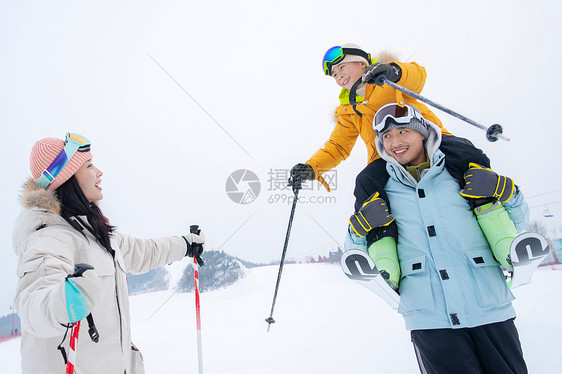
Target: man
(453, 294)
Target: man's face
(404, 145)
(348, 73)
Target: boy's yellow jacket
(350, 125)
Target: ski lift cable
(541, 194)
(545, 204)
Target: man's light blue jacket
(450, 278)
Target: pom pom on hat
(43, 154)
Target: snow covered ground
(325, 324)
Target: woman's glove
(195, 244)
(80, 293)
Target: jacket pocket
(489, 282)
(415, 285)
(137, 361)
(120, 261)
(103, 266)
(29, 266)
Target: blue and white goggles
(72, 143)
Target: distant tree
(155, 280)
(335, 256)
(220, 270)
(539, 228)
(556, 232)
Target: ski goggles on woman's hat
(72, 143)
(335, 55)
(394, 115)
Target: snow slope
(325, 324)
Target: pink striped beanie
(45, 151)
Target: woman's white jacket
(48, 249)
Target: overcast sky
(177, 95)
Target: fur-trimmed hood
(42, 208)
(34, 196)
(386, 56)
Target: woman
(62, 226)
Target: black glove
(483, 182)
(299, 173)
(377, 73)
(373, 213)
(195, 243)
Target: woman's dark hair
(74, 203)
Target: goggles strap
(357, 52)
(51, 172)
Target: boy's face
(348, 73)
(404, 145)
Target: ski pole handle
(79, 269)
(194, 229)
(492, 133)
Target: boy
(454, 297)
(347, 64)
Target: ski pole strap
(60, 347)
(353, 96)
(492, 133)
(324, 183)
(93, 331)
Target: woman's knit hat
(43, 154)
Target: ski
(358, 266)
(528, 251)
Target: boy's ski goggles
(335, 55)
(398, 115)
(72, 143)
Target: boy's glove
(377, 73)
(482, 182)
(373, 213)
(301, 172)
(82, 292)
(195, 243)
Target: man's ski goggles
(335, 55)
(398, 115)
(72, 143)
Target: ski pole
(297, 184)
(194, 229)
(492, 133)
(74, 332)
(72, 353)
